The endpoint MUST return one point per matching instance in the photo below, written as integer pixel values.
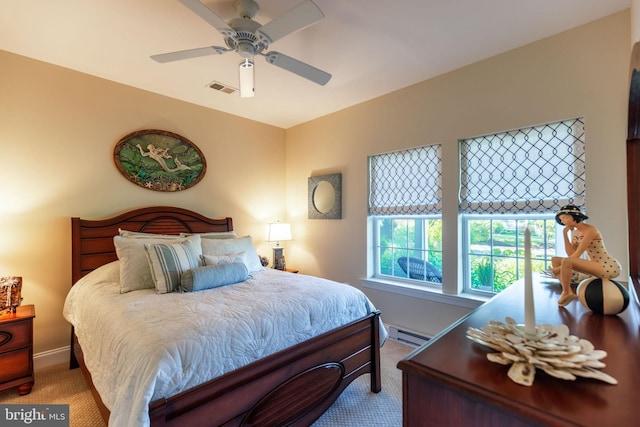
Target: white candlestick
(529, 310)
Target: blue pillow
(213, 276)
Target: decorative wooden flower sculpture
(553, 350)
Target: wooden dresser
(449, 381)
(16, 349)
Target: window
(494, 248)
(405, 191)
(510, 181)
(409, 247)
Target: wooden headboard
(92, 240)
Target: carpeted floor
(60, 385)
(356, 406)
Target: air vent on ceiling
(222, 87)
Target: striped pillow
(169, 260)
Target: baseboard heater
(405, 336)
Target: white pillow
(135, 272)
(168, 261)
(107, 273)
(225, 259)
(218, 247)
(214, 235)
(141, 235)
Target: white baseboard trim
(48, 358)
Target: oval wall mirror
(325, 197)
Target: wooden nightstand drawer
(16, 349)
(15, 364)
(15, 335)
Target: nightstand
(16, 349)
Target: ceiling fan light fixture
(249, 38)
(246, 79)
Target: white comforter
(141, 346)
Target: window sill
(463, 300)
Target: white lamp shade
(246, 79)
(279, 231)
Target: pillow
(168, 261)
(138, 234)
(214, 235)
(109, 273)
(213, 276)
(135, 272)
(225, 259)
(217, 247)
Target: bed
(291, 386)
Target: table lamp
(279, 231)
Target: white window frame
(376, 245)
(548, 253)
(499, 177)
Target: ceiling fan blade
(189, 53)
(298, 67)
(300, 16)
(207, 14)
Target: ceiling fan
(249, 38)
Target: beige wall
(583, 72)
(58, 129)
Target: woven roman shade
(406, 182)
(533, 170)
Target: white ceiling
(371, 47)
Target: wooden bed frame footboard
(293, 387)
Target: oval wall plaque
(159, 160)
